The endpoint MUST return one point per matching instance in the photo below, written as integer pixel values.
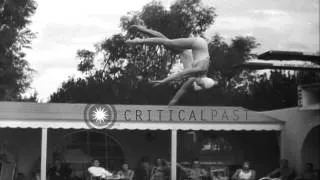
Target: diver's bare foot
(172, 103)
(133, 41)
(156, 83)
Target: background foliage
(119, 74)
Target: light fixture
(217, 145)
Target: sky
(65, 26)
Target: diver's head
(246, 165)
(203, 82)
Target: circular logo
(100, 116)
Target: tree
(152, 62)
(234, 86)
(192, 18)
(121, 64)
(225, 57)
(277, 91)
(184, 18)
(15, 73)
(123, 71)
(30, 98)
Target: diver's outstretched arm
(183, 89)
(149, 32)
(182, 43)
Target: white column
(173, 154)
(44, 138)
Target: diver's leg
(182, 43)
(149, 32)
(183, 89)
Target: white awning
(143, 126)
(133, 117)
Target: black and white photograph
(159, 90)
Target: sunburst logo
(100, 115)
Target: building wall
(250, 146)
(311, 148)
(247, 145)
(134, 143)
(24, 145)
(259, 147)
(298, 123)
(159, 146)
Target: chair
(232, 169)
(91, 177)
(219, 173)
(95, 178)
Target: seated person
(58, 171)
(96, 171)
(195, 172)
(125, 173)
(244, 173)
(283, 173)
(160, 171)
(37, 175)
(143, 171)
(308, 173)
